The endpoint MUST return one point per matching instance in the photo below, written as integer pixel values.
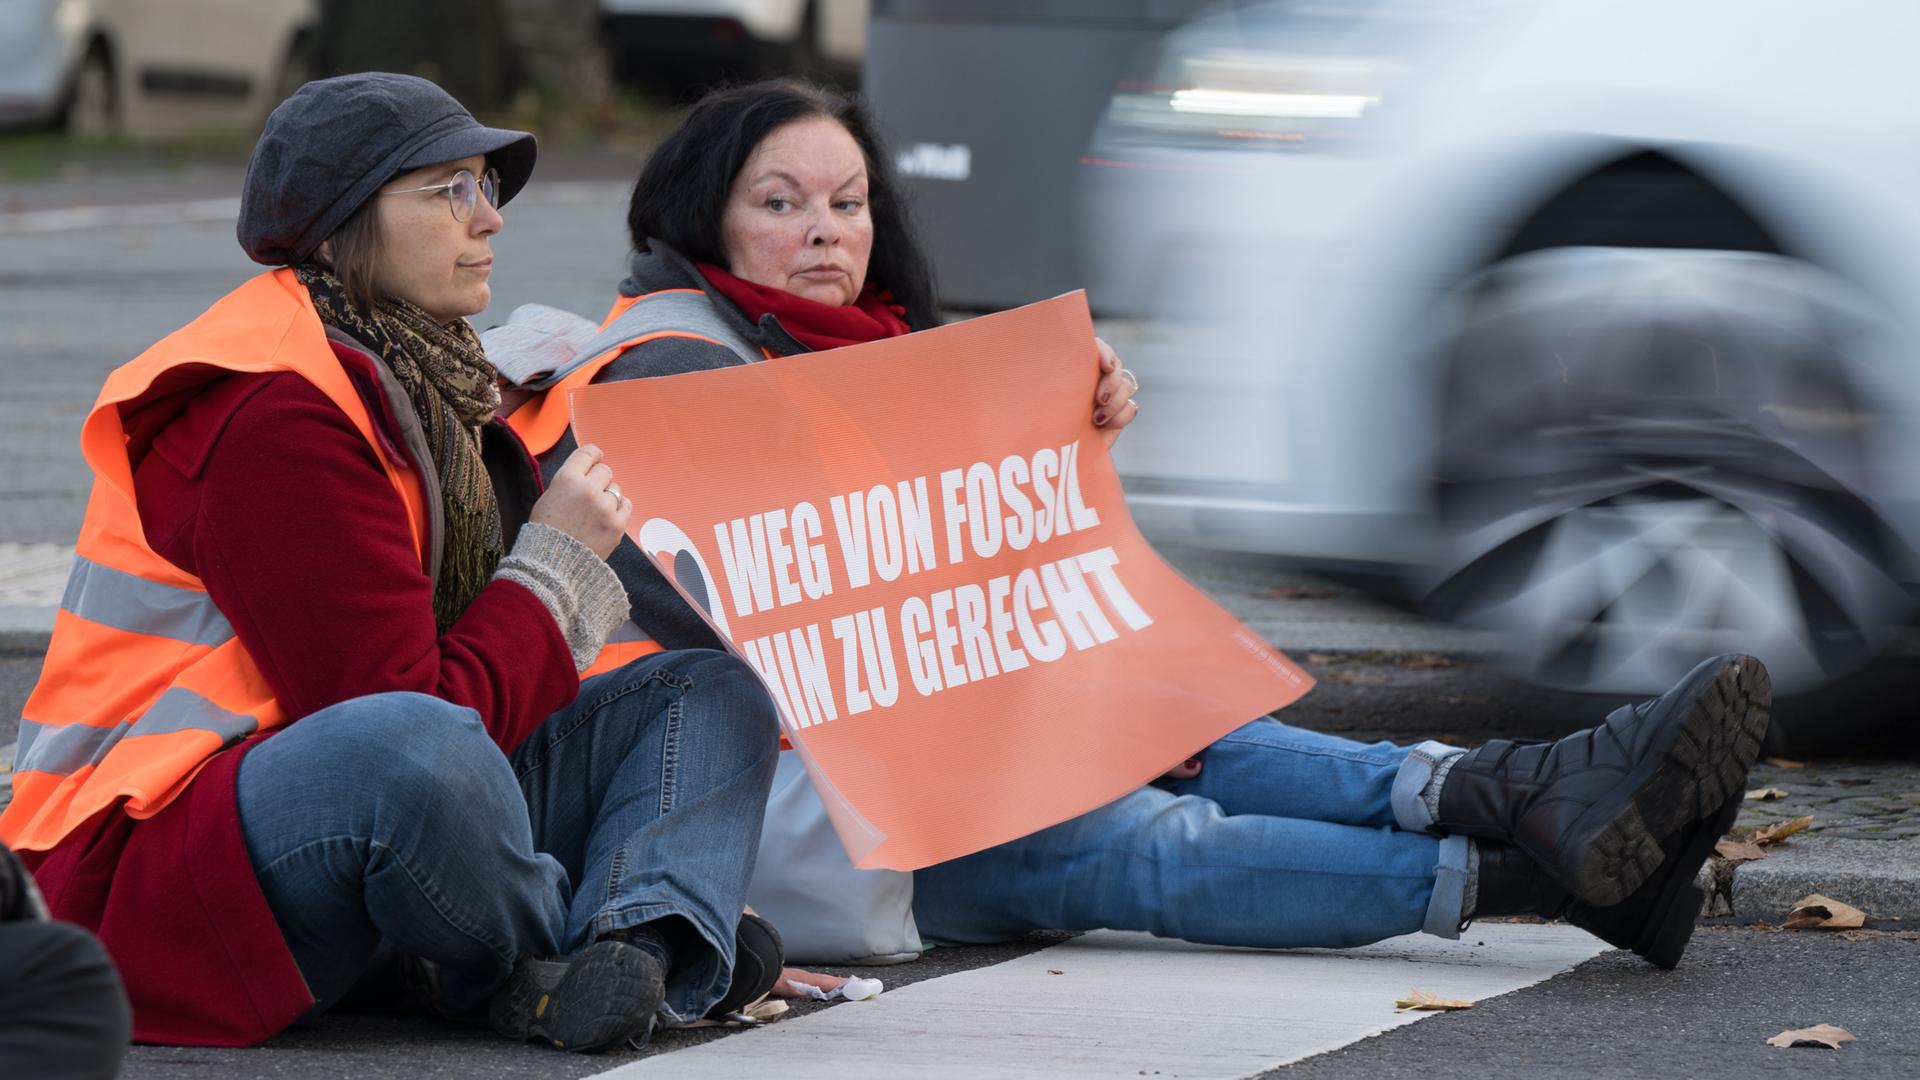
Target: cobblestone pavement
(1848, 800)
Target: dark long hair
(683, 188)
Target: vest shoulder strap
(682, 311)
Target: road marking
(205, 211)
(1111, 1004)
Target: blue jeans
(1288, 838)
(393, 822)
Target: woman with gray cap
(312, 711)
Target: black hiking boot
(601, 998)
(1655, 922)
(758, 955)
(1593, 809)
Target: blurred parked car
(150, 67)
(759, 36)
(1592, 323)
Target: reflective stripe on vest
(144, 680)
(683, 313)
(109, 597)
(65, 750)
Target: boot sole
(1704, 765)
(1675, 914)
(607, 995)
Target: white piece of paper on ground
(1127, 1002)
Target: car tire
(93, 99)
(1647, 457)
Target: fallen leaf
(1427, 661)
(1824, 1036)
(1299, 592)
(1357, 678)
(1766, 794)
(1785, 763)
(1780, 830)
(767, 1010)
(1853, 781)
(1738, 850)
(1318, 658)
(1818, 912)
(1055, 971)
(1424, 1001)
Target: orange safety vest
(544, 418)
(144, 680)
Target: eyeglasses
(462, 192)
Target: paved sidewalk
(32, 577)
(1863, 847)
(1111, 1004)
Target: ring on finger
(614, 490)
(1132, 378)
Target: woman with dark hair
(769, 224)
(312, 713)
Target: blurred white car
(1592, 323)
(783, 35)
(150, 67)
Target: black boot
(1592, 809)
(1656, 921)
(758, 956)
(601, 998)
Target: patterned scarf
(452, 386)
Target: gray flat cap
(331, 145)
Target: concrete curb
(1880, 877)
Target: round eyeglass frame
(463, 192)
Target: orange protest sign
(922, 547)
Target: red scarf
(872, 316)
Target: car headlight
(1238, 98)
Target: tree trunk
(560, 48)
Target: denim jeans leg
(394, 816)
(649, 789)
(1273, 768)
(1180, 866)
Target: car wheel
(1648, 457)
(93, 102)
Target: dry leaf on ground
(1356, 678)
(1785, 763)
(1738, 850)
(1818, 912)
(1427, 661)
(1825, 1036)
(1780, 830)
(1317, 658)
(1766, 794)
(1425, 1001)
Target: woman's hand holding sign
(1113, 404)
(585, 503)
